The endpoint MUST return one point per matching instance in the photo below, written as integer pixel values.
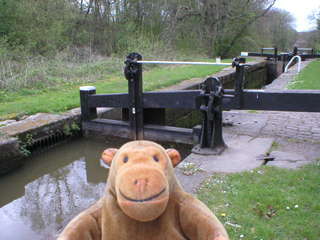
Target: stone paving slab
(242, 122)
(287, 160)
(288, 164)
(242, 154)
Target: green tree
(43, 25)
(7, 16)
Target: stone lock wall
(10, 157)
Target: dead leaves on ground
(271, 212)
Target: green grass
(267, 203)
(64, 94)
(308, 78)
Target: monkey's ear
(108, 154)
(174, 156)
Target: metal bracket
(132, 67)
(210, 140)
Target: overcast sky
(300, 10)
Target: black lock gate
(144, 112)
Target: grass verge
(308, 78)
(267, 203)
(65, 95)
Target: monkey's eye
(156, 159)
(125, 159)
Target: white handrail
(186, 63)
(299, 63)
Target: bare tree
(219, 23)
(314, 18)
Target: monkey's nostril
(147, 180)
(136, 182)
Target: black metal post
(133, 73)
(275, 53)
(87, 113)
(239, 82)
(295, 51)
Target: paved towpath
(295, 125)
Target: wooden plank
(174, 99)
(151, 132)
(290, 100)
(119, 100)
(168, 134)
(109, 127)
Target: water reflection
(53, 187)
(56, 196)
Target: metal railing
(299, 63)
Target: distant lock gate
(143, 113)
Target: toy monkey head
(141, 178)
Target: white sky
(300, 10)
